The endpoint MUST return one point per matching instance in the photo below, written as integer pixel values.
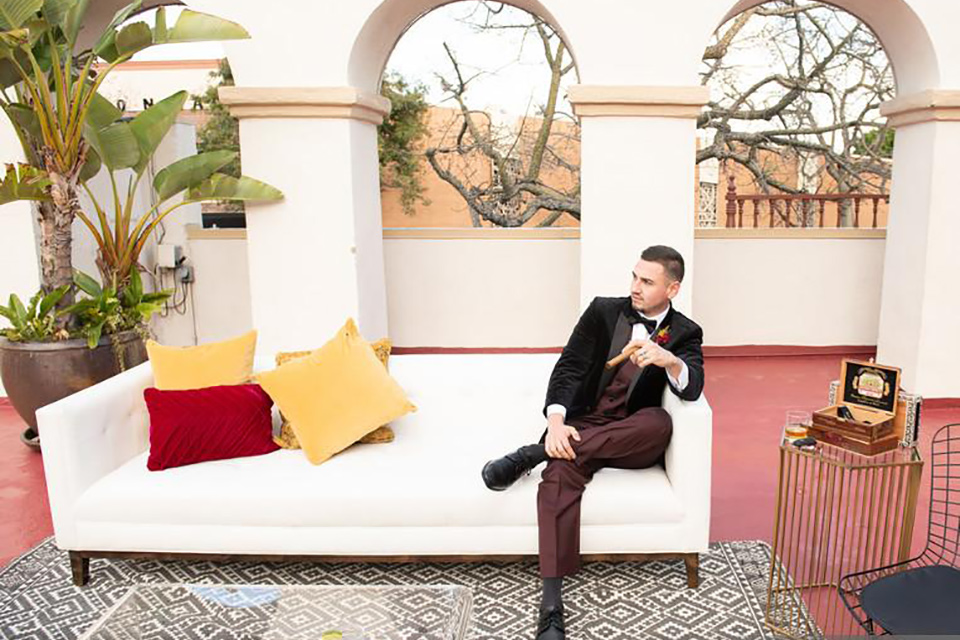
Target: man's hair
(669, 257)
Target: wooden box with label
(869, 393)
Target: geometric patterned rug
(604, 601)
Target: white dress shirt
(640, 333)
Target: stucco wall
(464, 288)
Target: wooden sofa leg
(80, 568)
(692, 561)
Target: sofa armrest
(689, 456)
(87, 435)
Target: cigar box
(870, 392)
(850, 443)
(906, 422)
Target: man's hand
(557, 444)
(649, 352)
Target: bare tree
(525, 161)
(817, 104)
(814, 107)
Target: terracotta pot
(35, 374)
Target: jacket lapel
(639, 374)
(621, 336)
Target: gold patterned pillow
(288, 440)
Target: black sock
(535, 453)
(551, 593)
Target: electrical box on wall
(169, 256)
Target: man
(605, 417)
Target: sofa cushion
(471, 408)
(383, 434)
(359, 487)
(217, 363)
(336, 395)
(196, 425)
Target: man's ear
(673, 289)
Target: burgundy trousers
(634, 442)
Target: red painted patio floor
(749, 396)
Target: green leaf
(133, 38)
(37, 29)
(25, 118)
(14, 13)
(160, 25)
(115, 144)
(93, 333)
(223, 187)
(106, 45)
(55, 11)
(87, 284)
(193, 26)
(147, 309)
(73, 21)
(92, 166)
(190, 171)
(108, 51)
(151, 126)
(132, 294)
(32, 306)
(9, 75)
(136, 284)
(159, 296)
(24, 183)
(51, 299)
(18, 309)
(102, 113)
(7, 313)
(78, 308)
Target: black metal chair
(920, 595)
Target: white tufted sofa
(419, 497)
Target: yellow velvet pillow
(287, 439)
(206, 365)
(336, 395)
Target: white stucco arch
(901, 31)
(390, 20)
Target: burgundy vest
(612, 404)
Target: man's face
(651, 289)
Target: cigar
(623, 356)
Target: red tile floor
(749, 396)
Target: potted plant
(69, 132)
(43, 362)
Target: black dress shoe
(501, 473)
(550, 624)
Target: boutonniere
(663, 335)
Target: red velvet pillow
(213, 423)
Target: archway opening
(793, 135)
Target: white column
(920, 302)
(316, 257)
(637, 159)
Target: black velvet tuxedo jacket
(579, 377)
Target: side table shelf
(836, 512)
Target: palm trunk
(56, 240)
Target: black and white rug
(605, 601)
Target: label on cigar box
(870, 385)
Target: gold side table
(837, 512)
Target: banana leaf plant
(120, 145)
(68, 130)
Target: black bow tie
(649, 323)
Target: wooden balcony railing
(798, 210)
